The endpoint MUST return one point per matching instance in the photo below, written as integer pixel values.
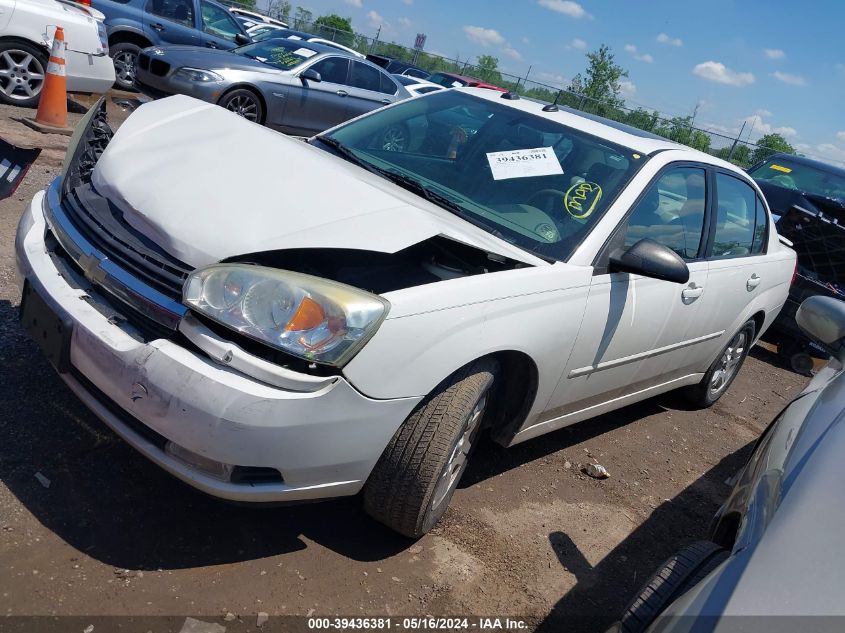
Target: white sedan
(26, 36)
(515, 268)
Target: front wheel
(244, 103)
(395, 138)
(414, 479)
(724, 369)
(125, 59)
(22, 71)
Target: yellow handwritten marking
(581, 199)
(785, 170)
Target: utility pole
(525, 79)
(375, 41)
(736, 140)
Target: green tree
(302, 18)
(600, 83)
(487, 69)
(642, 119)
(279, 9)
(771, 144)
(335, 28)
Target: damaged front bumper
(258, 437)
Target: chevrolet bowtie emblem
(90, 266)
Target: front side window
(181, 11)
(218, 22)
(529, 180)
(736, 217)
(671, 212)
(333, 70)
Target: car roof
(618, 133)
(809, 162)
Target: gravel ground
(528, 534)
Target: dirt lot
(527, 535)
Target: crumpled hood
(207, 185)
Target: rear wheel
(680, 573)
(414, 480)
(724, 369)
(125, 59)
(244, 103)
(22, 72)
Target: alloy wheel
(21, 74)
(124, 67)
(460, 454)
(729, 363)
(244, 106)
(394, 140)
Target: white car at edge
(27, 28)
(512, 267)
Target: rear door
(172, 22)
(638, 332)
(219, 28)
(371, 88)
(314, 106)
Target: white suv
(27, 28)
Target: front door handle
(212, 44)
(386, 101)
(341, 93)
(692, 291)
(753, 282)
(157, 26)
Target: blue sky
(779, 65)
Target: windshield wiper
(343, 151)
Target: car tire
(23, 63)
(680, 573)
(245, 103)
(724, 369)
(396, 138)
(125, 59)
(417, 474)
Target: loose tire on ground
(125, 58)
(726, 366)
(681, 572)
(24, 69)
(414, 479)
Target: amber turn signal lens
(308, 315)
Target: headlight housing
(315, 319)
(197, 75)
(89, 140)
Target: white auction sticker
(305, 52)
(523, 163)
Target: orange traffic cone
(51, 117)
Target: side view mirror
(823, 319)
(242, 39)
(310, 74)
(651, 259)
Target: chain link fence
(676, 128)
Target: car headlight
(316, 319)
(196, 74)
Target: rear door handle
(341, 93)
(692, 291)
(157, 26)
(753, 282)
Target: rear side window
(386, 85)
(736, 217)
(181, 11)
(365, 77)
(333, 70)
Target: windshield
(804, 178)
(280, 53)
(446, 80)
(534, 182)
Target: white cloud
(408, 2)
(786, 131)
(525, 40)
(756, 125)
(627, 88)
(718, 72)
(405, 22)
(840, 136)
(792, 80)
(763, 113)
(578, 44)
(552, 78)
(485, 37)
(671, 41)
(375, 19)
(831, 152)
(774, 53)
(643, 57)
(355, 3)
(512, 53)
(567, 7)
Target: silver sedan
(294, 86)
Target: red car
(451, 80)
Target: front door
(219, 28)
(639, 332)
(171, 22)
(314, 106)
